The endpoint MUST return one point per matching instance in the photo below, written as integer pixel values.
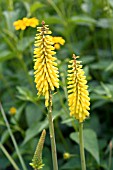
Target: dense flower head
(46, 72)
(78, 99)
(57, 42)
(25, 22)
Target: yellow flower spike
(46, 71)
(78, 99)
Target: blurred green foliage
(87, 27)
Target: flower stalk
(46, 76)
(78, 99)
(52, 134)
(81, 143)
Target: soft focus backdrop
(87, 28)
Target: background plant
(87, 27)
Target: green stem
(9, 157)
(52, 134)
(110, 155)
(82, 155)
(21, 34)
(10, 5)
(13, 138)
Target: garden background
(87, 28)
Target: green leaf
(35, 6)
(25, 94)
(27, 7)
(24, 43)
(6, 55)
(98, 104)
(68, 120)
(105, 23)
(111, 2)
(110, 67)
(34, 113)
(90, 142)
(19, 111)
(53, 20)
(5, 136)
(72, 164)
(35, 129)
(47, 159)
(10, 17)
(84, 20)
(107, 89)
(101, 65)
(4, 162)
(87, 59)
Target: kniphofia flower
(46, 72)
(78, 97)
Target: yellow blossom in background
(19, 25)
(46, 71)
(57, 46)
(25, 22)
(12, 111)
(66, 155)
(57, 42)
(33, 22)
(78, 97)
